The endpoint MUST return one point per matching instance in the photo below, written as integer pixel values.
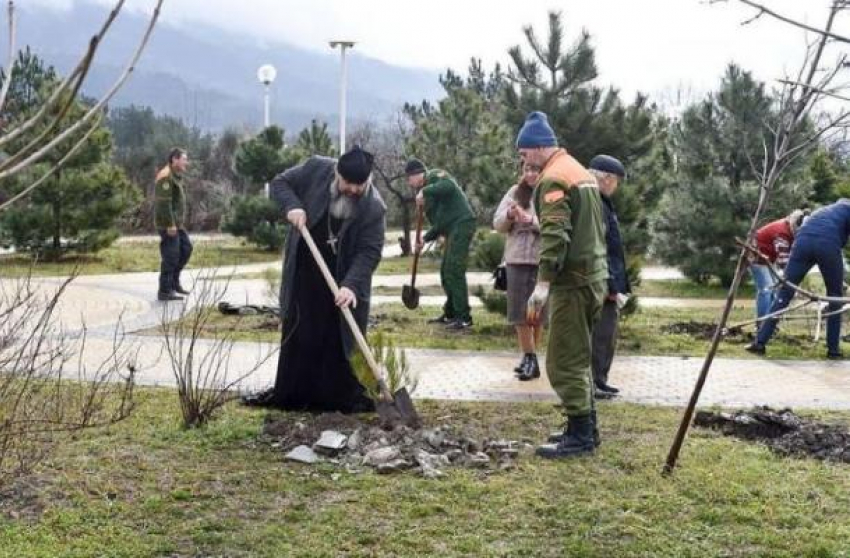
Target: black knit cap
(606, 163)
(414, 166)
(355, 165)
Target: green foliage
(494, 301)
(316, 140)
(257, 219)
(79, 207)
(392, 362)
(825, 180)
(697, 223)
(488, 249)
(263, 157)
(715, 192)
(466, 135)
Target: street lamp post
(343, 77)
(266, 74)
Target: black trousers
(175, 252)
(605, 341)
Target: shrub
(258, 220)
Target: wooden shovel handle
(416, 250)
(349, 317)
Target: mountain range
(207, 76)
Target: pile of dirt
(703, 330)
(359, 445)
(783, 431)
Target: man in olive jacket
(175, 247)
(573, 271)
(450, 216)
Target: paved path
(478, 376)
(98, 301)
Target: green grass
(685, 288)
(135, 256)
(402, 266)
(640, 333)
(147, 488)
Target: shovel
(394, 409)
(409, 293)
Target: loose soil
(783, 431)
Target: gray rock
(454, 455)
(432, 473)
(435, 438)
(394, 466)
(330, 442)
(381, 456)
(479, 460)
(303, 454)
(355, 440)
(425, 459)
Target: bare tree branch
(35, 157)
(56, 168)
(10, 66)
(764, 10)
(75, 75)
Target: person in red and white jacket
(774, 242)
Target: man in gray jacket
(345, 215)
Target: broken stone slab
(355, 440)
(430, 460)
(479, 460)
(394, 466)
(434, 438)
(454, 455)
(431, 472)
(381, 456)
(330, 442)
(303, 454)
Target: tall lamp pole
(266, 74)
(343, 77)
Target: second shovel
(409, 293)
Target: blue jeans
(765, 283)
(805, 254)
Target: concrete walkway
(488, 376)
(97, 302)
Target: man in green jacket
(450, 216)
(573, 272)
(175, 247)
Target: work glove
(536, 302)
(622, 299)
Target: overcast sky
(655, 46)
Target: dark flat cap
(355, 165)
(606, 163)
(414, 166)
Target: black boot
(168, 297)
(531, 370)
(519, 367)
(603, 386)
(578, 440)
(180, 290)
(557, 436)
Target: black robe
(314, 372)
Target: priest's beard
(342, 206)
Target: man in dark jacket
(609, 172)
(345, 215)
(450, 216)
(819, 241)
(175, 248)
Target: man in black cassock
(346, 217)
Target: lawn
(147, 488)
(646, 332)
(135, 256)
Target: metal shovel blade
(410, 297)
(398, 412)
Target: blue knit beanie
(536, 132)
